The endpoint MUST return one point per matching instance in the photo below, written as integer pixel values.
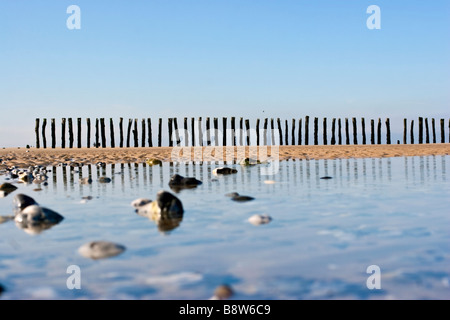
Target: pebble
(178, 182)
(258, 219)
(6, 188)
(224, 170)
(153, 162)
(85, 180)
(104, 180)
(237, 197)
(100, 249)
(326, 177)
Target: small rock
(153, 162)
(222, 292)
(86, 180)
(104, 180)
(6, 188)
(249, 162)
(326, 177)
(224, 170)
(178, 182)
(21, 201)
(258, 219)
(100, 249)
(237, 197)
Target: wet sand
(51, 157)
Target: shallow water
(324, 234)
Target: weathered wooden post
(280, 131)
(265, 131)
(111, 133)
(79, 132)
(433, 127)
(388, 131)
(216, 131)
(200, 132)
(130, 123)
(88, 129)
(333, 132)
(363, 126)
(135, 133)
(257, 132)
(325, 138)
(272, 131)
(63, 133)
(405, 130)
(286, 133)
(306, 130)
(208, 131)
(355, 131)
(53, 133)
(372, 131)
(149, 125)
(170, 132)
(293, 132)
(233, 130)
(97, 133)
(420, 130)
(339, 131)
(347, 132)
(193, 131)
(316, 129)
(412, 132)
(379, 131)
(70, 133)
(186, 135)
(121, 132)
(427, 131)
(442, 130)
(36, 130)
(241, 127)
(143, 133)
(102, 127)
(224, 134)
(159, 132)
(300, 131)
(44, 140)
(247, 130)
(177, 134)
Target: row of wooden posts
(276, 133)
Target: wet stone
(104, 180)
(21, 201)
(178, 182)
(239, 198)
(100, 249)
(224, 171)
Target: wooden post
(280, 131)
(325, 138)
(272, 131)
(44, 140)
(200, 132)
(299, 131)
(97, 141)
(427, 131)
(53, 133)
(70, 133)
(388, 131)
(286, 133)
(379, 131)
(405, 130)
(170, 132)
(355, 131)
(433, 128)
(159, 132)
(36, 130)
(339, 131)
(143, 133)
(257, 132)
(135, 133)
(233, 130)
(111, 133)
(347, 132)
(186, 135)
(208, 131)
(177, 134)
(216, 131)
(412, 132)
(372, 131)
(363, 126)
(149, 126)
(241, 127)
(306, 130)
(79, 132)
(130, 122)
(247, 130)
(316, 131)
(293, 132)
(102, 127)
(442, 130)
(193, 131)
(88, 136)
(333, 132)
(265, 131)
(420, 130)
(121, 132)
(63, 133)
(224, 134)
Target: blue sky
(167, 58)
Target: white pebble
(258, 219)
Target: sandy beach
(52, 157)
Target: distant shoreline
(52, 157)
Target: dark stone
(237, 197)
(178, 182)
(326, 178)
(21, 201)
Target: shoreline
(23, 157)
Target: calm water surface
(392, 212)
